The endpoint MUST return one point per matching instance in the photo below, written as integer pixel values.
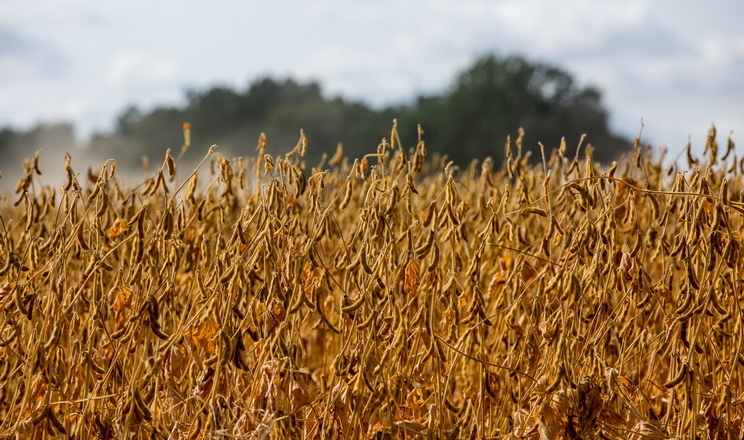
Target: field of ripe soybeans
(391, 296)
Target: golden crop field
(390, 297)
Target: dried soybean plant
(392, 296)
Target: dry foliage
(391, 297)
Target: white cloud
(131, 67)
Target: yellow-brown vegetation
(395, 296)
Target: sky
(678, 65)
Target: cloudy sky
(678, 64)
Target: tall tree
(496, 96)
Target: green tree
(234, 120)
(496, 96)
(487, 102)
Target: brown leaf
(548, 422)
(412, 278)
(204, 334)
(506, 263)
(493, 382)
(122, 298)
(309, 275)
(299, 399)
(118, 228)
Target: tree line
(485, 103)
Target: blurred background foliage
(470, 119)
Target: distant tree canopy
(234, 121)
(496, 96)
(18, 144)
(471, 119)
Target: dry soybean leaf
(506, 263)
(528, 273)
(122, 298)
(494, 382)
(299, 399)
(548, 422)
(118, 228)
(412, 278)
(309, 276)
(204, 334)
